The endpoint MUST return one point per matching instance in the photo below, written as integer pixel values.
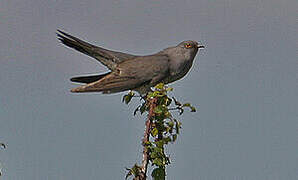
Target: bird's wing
(106, 57)
(131, 74)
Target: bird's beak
(200, 46)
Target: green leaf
(150, 95)
(186, 105)
(143, 108)
(123, 98)
(148, 143)
(166, 140)
(126, 98)
(169, 89)
(158, 94)
(159, 145)
(131, 93)
(168, 101)
(153, 155)
(163, 100)
(154, 132)
(157, 162)
(159, 86)
(193, 109)
(158, 109)
(178, 126)
(135, 170)
(169, 129)
(158, 174)
(174, 137)
(171, 124)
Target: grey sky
(244, 85)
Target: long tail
(106, 57)
(100, 54)
(88, 79)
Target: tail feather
(75, 43)
(106, 57)
(98, 53)
(88, 79)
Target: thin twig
(145, 161)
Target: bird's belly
(178, 73)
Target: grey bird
(131, 72)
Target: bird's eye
(188, 45)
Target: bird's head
(190, 45)
(189, 48)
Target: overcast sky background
(244, 85)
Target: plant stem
(145, 161)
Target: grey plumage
(130, 72)
(107, 57)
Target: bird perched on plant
(131, 72)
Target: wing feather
(131, 74)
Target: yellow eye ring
(188, 45)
